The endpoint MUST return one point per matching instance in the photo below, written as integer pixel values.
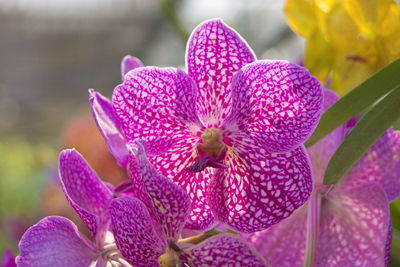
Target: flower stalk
(313, 221)
(201, 237)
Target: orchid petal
(283, 244)
(129, 63)
(321, 153)
(109, 127)
(354, 227)
(171, 204)
(157, 102)
(8, 259)
(224, 250)
(86, 193)
(277, 102)
(214, 53)
(137, 184)
(134, 233)
(381, 165)
(123, 188)
(172, 164)
(353, 231)
(259, 189)
(55, 241)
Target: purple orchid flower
(105, 117)
(56, 241)
(228, 110)
(150, 236)
(344, 226)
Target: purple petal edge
(129, 63)
(224, 250)
(55, 241)
(86, 193)
(380, 165)
(171, 204)
(321, 153)
(134, 232)
(8, 259)
(109, 127)
(214, 52)
(277, 102)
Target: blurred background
(52, 52)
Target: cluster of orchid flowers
(220, 145)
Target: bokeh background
(52, 52)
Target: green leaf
(395, 213)
(361, 138)
(169, 8)
(395, 255)
(357, 101)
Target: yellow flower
(347, 39)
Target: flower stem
(201, 237)
(313, 220)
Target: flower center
(168, 259)
(211, 151)
(211, 137)
(212, 143)
(111, 254)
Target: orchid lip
(211, 151)
(206, 161)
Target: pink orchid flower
(56, 241)
(149, 236)
(229, 131)
(344, 226)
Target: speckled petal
(283, 244)
(157, 105)
(224, 250)
(354, 227)
(137, 184)
(109, 127)
(134, 234)
(381, 164)
(170, 203)
(55, 241)
(86, 193)
(259, 189)
(129, 63)
(214, 53)
(173, 164)
(321, 153)
(277, 102)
